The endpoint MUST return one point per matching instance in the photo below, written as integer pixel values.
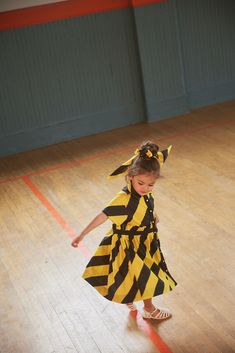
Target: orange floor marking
(10, 180)
(148, 330)
(55, 214)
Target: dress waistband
(134, 231)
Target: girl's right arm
(99, 219)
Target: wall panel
(81, 72)
(207, 33)
(161, 63)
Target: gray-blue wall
(187, 51)
(76, 77)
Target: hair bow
(122, 169)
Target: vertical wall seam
(139, 60)
(181, 56)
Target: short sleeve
(116, 209)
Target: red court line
(11, 180)
(51, 169)
(76, 162)
(54, 213)
(147, 329)
(104, 154)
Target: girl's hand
(77, 240)
(156, 219)
(99, 219)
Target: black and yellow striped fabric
(128, 264)
(122, 169)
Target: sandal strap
(154, 311)
(162, 313)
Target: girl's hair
(146, 161)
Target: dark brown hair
(146, 161)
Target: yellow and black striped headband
(161, 156)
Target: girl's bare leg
(148, 305)
(131, 306)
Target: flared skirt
(129, 268)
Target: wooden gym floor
(48, 195)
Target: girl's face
(143, 183)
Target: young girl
(128, 265)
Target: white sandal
(161, 315)
(131, 306)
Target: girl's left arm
(98, 220)
(156, 217)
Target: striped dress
(128, 265)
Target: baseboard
(203, 96)
(68, 130)
(200, 97)
(158, 110)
